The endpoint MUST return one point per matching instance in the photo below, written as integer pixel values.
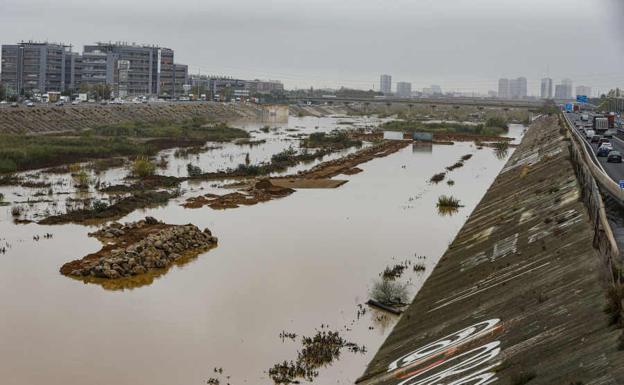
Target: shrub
(143, 167)
(99, 205)
(389, 292)
(81, 179)
(497, 121)
(16, 211)
(448, 201)
(283, 156)
(193, 170)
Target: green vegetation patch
(196, 128)
(23, 152)
(334, 140)
(493, 127)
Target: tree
(102, 91)
(3, 92)
(84, 88)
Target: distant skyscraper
(567, 84)
(504, 90)
(547, 88)
(583, 90)
(404, 89)
(436, 90)
(385, 84)
(560, 92)
(518, 88)
(512, 88)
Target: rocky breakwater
(138, 248)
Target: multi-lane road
(614, 170)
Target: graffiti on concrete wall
(453, 359)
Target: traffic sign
(581, 98)
(622, 184)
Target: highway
(614, 170)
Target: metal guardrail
(602, 178)
(588, 175)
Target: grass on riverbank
(24, 152)
(196, 128)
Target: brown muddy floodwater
(291, 264)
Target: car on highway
(3, 102)
(589, 134)
(595, 138)
(30, 104)
(614, 157)
(60, 103)
(604, 150)
(14, 105)
(603, 140)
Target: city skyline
(326, 51)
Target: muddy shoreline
(263, 190)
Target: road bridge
(483, 102)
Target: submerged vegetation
(142, 167)
(316, 352)
(448, 205)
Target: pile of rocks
(116, 229)
(157, 250)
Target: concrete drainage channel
(520, 295)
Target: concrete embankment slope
(50, 118)
(519, 296)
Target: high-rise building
(504, 89)
(149, 69)
(512, 88)
(385, 84)
(584, 90)
(546, 91)
(181, 79)
(518, 88)
(404, 89)
(567, 84)
(560, 92)
(35, 67)
(436, 89)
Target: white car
(607, 145)
(589, 134)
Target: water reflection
(136, 281)
(426, 148)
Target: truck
(601, 124)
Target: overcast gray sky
(461, 45)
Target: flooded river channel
(295, 264)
